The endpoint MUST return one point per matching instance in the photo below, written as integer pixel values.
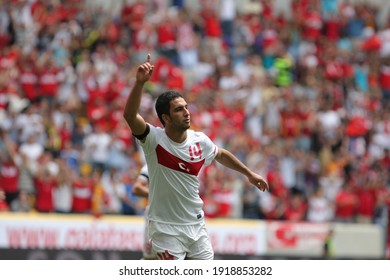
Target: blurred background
(298, 90)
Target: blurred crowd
(303, 99)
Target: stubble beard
(185, 127)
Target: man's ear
(166, 118)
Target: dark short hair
(163, 103)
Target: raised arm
(227, 159)
(135, 121)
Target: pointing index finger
(148, 59)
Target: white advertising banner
(116, 233)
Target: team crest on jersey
(170, 161)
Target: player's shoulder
(156, 129)
(196, 134)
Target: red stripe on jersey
(170, 161)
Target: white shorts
(176, 242)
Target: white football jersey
(173, 172)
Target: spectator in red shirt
(332, 27)
(333, 68)
(167, 74)
(82, 190)
(275, 180)
(112, 32)
(296, 207)
(9, 174)
(212, 31)
(133, 14)
(175, 78)
(29, 81)
(346, 203)
(366, 193)
(290, 121)
(97, 112)
(161, 70)
(216, 194)
(45, 183)
(312, 22)
(48, 82)
(166, 39)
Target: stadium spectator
(296, 207)
(82, 189)
(96, 146)
(63, 193)
(366, 193)
(115, 192)
(22, 203)
(45, 183)
(346, 204)
(99, 198)
(9, 171)
(320, 208)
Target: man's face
(179, 116)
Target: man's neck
(176, 136)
